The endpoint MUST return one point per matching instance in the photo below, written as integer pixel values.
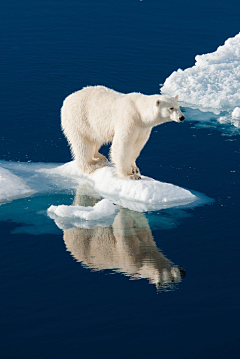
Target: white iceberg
(213, 83)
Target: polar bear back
(100, 112)
(95, 111)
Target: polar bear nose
(182, 118)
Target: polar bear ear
(158, 102)
(176, 97)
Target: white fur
(97, 115)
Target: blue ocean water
(58, 299)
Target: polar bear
(97, 115)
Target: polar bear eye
(171, 108)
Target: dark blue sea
(58, 298)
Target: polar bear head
(168, 109)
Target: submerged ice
(213, 83)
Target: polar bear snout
(177, 116)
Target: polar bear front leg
(121, 155)
(138, 146)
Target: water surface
(68, 293)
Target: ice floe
(101, 209)
(213, 83)
(78, 214)
(12, 187)
(236, 113)
(146, 194)
(76, 200)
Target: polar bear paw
(135, 173)
(135, 170)
(134, 177)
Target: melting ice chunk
(102, 214)
(104, 208)
(236, 113)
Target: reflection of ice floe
(127, 247)
(213, 83)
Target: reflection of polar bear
(127, 246)
(98, 115)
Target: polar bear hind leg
(84, 154)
